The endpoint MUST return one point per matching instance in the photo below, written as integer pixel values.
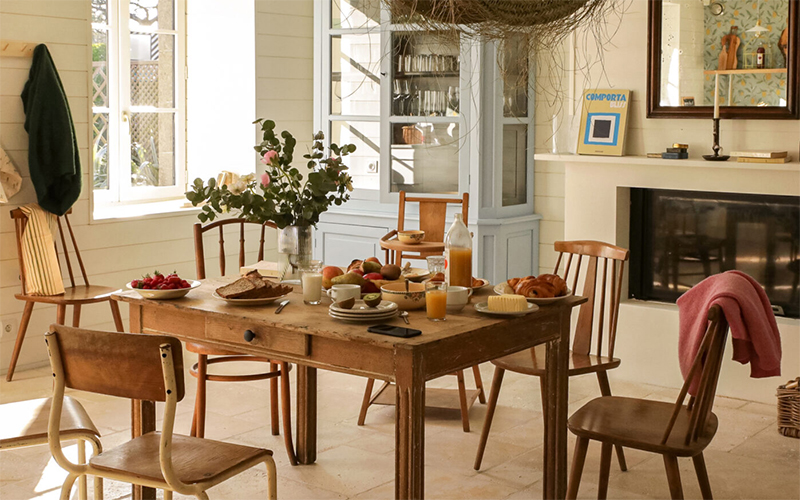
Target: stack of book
(678, 151)
(762, 156)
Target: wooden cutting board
(730, 43)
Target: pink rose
(265, 178)
(270, 158)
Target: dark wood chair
(670, 429)
(595, 314)
(147, 368)
(75, 295)
(277, 370)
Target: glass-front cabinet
(431, 114)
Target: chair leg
(201, 496)
(362, 415)
(116, 315)
(702, 476)
(494, 392)
(66, 488)
(462, 398)
(605, 470)
(97, 447)
(543, 390)
(167, 494)
(274, 408)
(61, 314)
(272, 479)
(673, 477)
(76, 315)
(82, 488)
(199, 418)
(578, 459)
(476, 372)
(605, 390)
(23, 327)
(286, 408)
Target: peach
(328, 273)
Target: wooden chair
(25, 424)
(591, 316)
(74, 295)
(148, 368)
(673, 430)
(278, 370)
(432, 220)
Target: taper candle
(716, 95)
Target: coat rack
(11, 48)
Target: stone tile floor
(748, 459)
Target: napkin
(39, 259)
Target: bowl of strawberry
(159, 286)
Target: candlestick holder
(716, 156)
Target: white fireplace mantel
(597, 207)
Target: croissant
(536, 289)
(513, 282)
(555, 280)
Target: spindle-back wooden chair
(149, 368)
(75, 295)
(670, 429)
(597, 314)
(200, 369)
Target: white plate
(362, 309)
(166, 294)
(363, 319)
(416, 274)
(498, 289)
(483, 307)
(249, 302)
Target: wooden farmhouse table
(307, 336)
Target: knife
(281, 306)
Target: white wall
(116, 251)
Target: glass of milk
(311, 278)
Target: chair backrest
(610, 283)
(126, 365)
(199, 252)
(706, 365)
(432, 214)
(21, 220)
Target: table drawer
(273, 339)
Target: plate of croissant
(542, 290)
(477, 283)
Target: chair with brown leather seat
(597, 318)
(670, 429)
(74, 295)
(278, 370)
(148, 368)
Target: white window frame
(119, 190)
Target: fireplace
(678, 238)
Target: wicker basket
(789, 408)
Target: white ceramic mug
(457, 297)
(339, 293)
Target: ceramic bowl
(166, 294)
(409, 300)
(410, 237)
(457, 297)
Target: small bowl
(414, 298)
(166, 294)
(457, 297)
(410, 237)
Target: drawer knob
(249, 336)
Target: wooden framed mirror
(751, 46)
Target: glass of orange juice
(436, 300)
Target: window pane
(149, 15)
(100, 150)
(515, 172)
(425, 157)
(514, 71)
(152, 70)
(425, 76)
(152, 149)
(355, 78)
(100, 76)
(100, 11)
(363, 163)
(355, 13)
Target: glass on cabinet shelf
(425, 75)
(424, 157)
(355, 74)
(513, 62)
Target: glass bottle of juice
(458, 254)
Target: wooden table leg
(555, 413)
(409, 451)
(143, 413)
(306, 414)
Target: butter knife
(281, 306)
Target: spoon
(404, 315)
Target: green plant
(283, 194)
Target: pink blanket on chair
(754, 332)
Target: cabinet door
(339, 244)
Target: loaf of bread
(507, 303)
(253, 286)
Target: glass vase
(295, 247)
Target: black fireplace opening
(678, 238)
